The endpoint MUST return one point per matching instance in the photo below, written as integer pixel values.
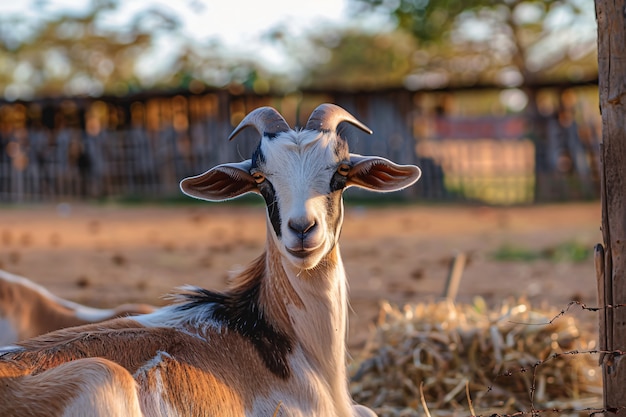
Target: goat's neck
(312, 304)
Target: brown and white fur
(28, 310)
(273, 344)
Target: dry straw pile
(444, 359)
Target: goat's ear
(379, 174)
(223, 182)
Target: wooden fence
(141, 146)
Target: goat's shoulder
(202, 326)
(239, 313)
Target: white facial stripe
(300, 166)
(300, 163)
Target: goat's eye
(258, 177)
(343, 169)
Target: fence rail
(142, 146)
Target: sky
(237, 24)
(230, 20)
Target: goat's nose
(301, 226)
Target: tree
(352, 59)
(509, 43)
(72, 53)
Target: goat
(272, 344)
(28, 310)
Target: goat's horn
(266, 120)
(328, 116)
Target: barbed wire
(534, 405)
(565, 310)
(533, 412)
(537, 413)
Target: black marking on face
(258, 158)
(269, 194)
(267, 191)
(334, 210)
(239, 311)
(338, 181)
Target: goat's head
(301, 174)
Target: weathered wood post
(611, 260)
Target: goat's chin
(305, 259)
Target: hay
(468, 359)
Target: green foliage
(77, 54)
(72, 54)
(511, 43)
(570, 251)
(359, 60)
(428, 20)
(434, 20)
(508, 252)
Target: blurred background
(105, 99)
(105, 105)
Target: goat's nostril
(301, 226)
(310, 227)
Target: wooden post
(453, 280)
(611, 262)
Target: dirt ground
(102, 255)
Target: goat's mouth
(300, 253)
